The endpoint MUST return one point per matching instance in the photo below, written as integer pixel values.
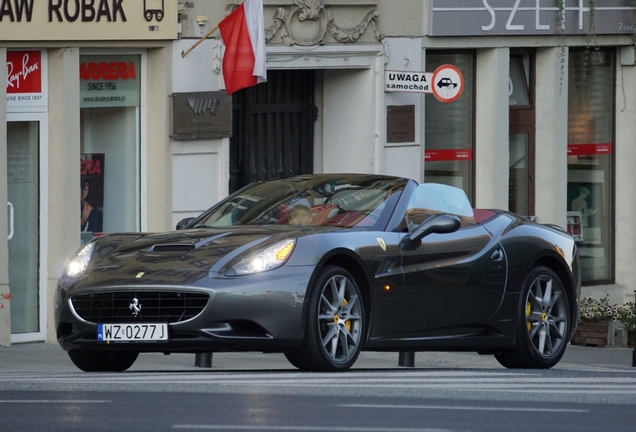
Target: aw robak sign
(27, 20)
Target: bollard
(634, 352)
(407, 359)
(203, 360)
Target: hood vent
(178, 247)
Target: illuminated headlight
(80, 262)
(265, 260)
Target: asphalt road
(40, 391)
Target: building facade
(543, 126)
(84, 127)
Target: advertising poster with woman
(91, 193)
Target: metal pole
(407, 359)
(634, 352)
(203, 360)
(207, 35)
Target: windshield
(325, 200)
(433, 198)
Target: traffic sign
(412, 82)
(448, 83)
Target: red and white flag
(243, 32)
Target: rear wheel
(335, 324)
(94, 361)
(543, 323)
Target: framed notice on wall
(400, 124)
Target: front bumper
(261, 312)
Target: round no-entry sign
(448, 83)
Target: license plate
(132, 332)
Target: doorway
(273, 128)
(28, 290)
(521, 169)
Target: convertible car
(319, 268)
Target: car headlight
(79, 263)
(264, 260)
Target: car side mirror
(184, 223)
(436, 224)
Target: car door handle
(497, 255)
(11, 220)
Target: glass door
(521, 145)
(23, 177)
(520, 173)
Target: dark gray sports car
(321, 267)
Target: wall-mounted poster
(586, 199)
(92, 192)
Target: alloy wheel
(340, 319)
(546, 316)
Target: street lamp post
(634, 352)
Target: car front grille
(154, 306)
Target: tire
(293, 359)
(543, 323)
(335, 325)
(94, 361)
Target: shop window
(521, 144)
(450, 127)
(110, 142)
(590, 191)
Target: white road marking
(425, 380)
(57, 401)
(464, 408)
(304, 428)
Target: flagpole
(207, 35)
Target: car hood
(181, 256)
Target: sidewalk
(41, 357)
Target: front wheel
(95, 361)
(543, 323)
(335, 324)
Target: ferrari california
(319, 268)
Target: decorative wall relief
(305, 11)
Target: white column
(156, 156)
(491, 129)
(63, 169)
(625, 152)
(405, 159)
(551, 172)
(5, 312)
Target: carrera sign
(112, 71)
(25, 71)
(109, 81)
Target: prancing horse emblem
(135, 306)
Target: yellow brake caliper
(347, 322)
(528, 313)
